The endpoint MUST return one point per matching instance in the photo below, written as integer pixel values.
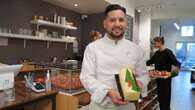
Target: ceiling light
(76, 5)
(139, 11)
(176, 26)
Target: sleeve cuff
(100, 94)
(145, 80)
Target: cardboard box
(127, 85)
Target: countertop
(24, 96)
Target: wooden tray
(162, 77)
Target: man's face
(115, 24)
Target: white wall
(128, 4)
(145, 31)
(155, 28)
(155, 31)
(168, 13)
(136, 28)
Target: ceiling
(168, 8)
(161, 9)
(84, 6)
(178, 4)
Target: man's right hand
(116, 98)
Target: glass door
(185, 53)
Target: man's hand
(116, 98)
(140, 84)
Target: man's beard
(116, 37)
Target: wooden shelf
(155, 107)
(148, 102)
(28, 37)
(48, 23)
(154, 88)
(150, 99)
(35, 69)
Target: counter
(24, 97)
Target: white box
(7, 74)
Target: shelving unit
(28, 37)
(48, 23)
(38, 38)
(153, 89)
(150, 99)
(155, 107)
(51, 24)
(148, 103)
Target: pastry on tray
(160, 74)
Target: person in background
(96, 35)
(164, 59)
(105, 57)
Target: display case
(66, 78)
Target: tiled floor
(183, 97)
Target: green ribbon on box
(131, 80)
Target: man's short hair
(113, 7)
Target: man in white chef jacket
(105, 57)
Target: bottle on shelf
(55, 18)
(48, 81)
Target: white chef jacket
(103, 59)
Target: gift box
(127, 85)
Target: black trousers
(164, 93)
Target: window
(185, 54)
(187, 31)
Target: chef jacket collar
(113, 42)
